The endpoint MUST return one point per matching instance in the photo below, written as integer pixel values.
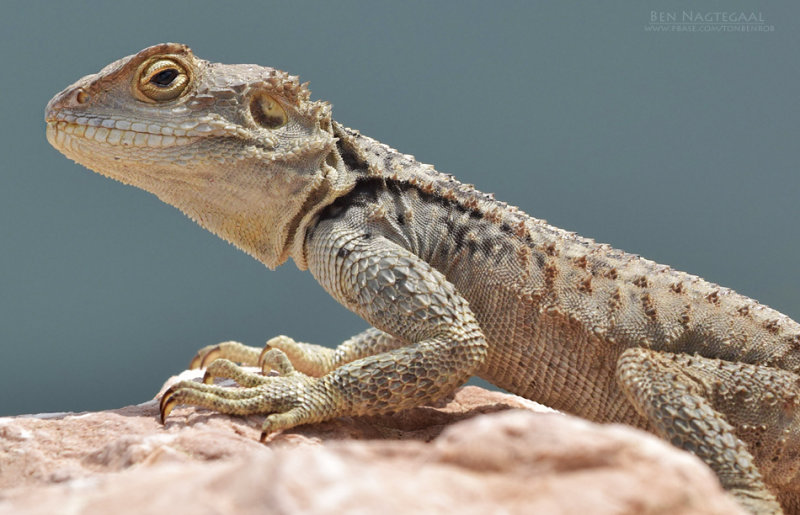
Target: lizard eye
(162, 80)
(267, 112)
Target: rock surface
(472, 454)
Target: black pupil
(164, 78)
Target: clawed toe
(166, 404)
(279, 421)
(280, 394)
(174, 393)
(231, 350)
(263, 354)
(219, 398)
(230, 370)
(277, 360)
(279, 343)
(273, 395)
(199, 359)
(214, 354)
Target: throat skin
(237, 209)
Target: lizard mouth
(114, 133)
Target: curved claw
(280, 421)
(213, 354)
(199, 359)
(166, 404)
(195, 363)
(264, 352)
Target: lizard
(453, 282)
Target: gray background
(682, 147)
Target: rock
(474, 453)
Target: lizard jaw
(61, 134)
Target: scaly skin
(454, 282)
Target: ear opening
(267, 112)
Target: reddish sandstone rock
(472, 454)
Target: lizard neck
(260, 207)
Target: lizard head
(239, 148)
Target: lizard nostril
(81, 96)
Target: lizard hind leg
(680, 397)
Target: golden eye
(267, 112)
(163, 79)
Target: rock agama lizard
(454, 282)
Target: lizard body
(454, 282)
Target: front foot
(285, 397)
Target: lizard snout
(69, 99)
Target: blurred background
(674, 140)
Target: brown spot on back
(648, 305)
(580, 262)
(550, 249)
(713, 297)
(494, 215)
(641, 281)
(523, 254)
(772, 326)
(615, 301)
(449, 194)
(686, 317)
(585, 285)
(744, 310)
(520, 230)
(676, 287)
(550, 274)
(612, 274)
